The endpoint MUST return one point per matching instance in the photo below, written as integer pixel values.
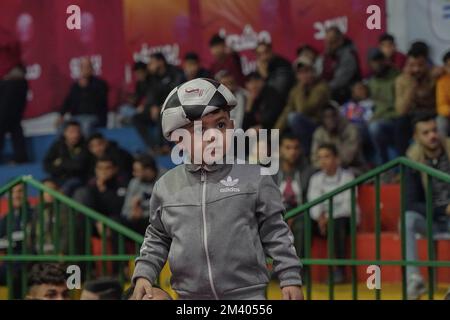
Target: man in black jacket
(99, 147)
(276, 70)
(264, 104)
(162, 78)
(66, 160)
(433, 151)
(87, 101)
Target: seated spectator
(192, 68)
(274, 69)
(106, 192)
(330, 177)
(304, 106)
(431, 150)
(224, 58)
(443, 98)
(335, 129)
(228, 80)
(382, 91)
(293, 179)
(99, 147)
(263, 104)
(394, 58)
(102, 289)
(359, 111)
(129, 109)
(415, 93)
(47, 281)
(135, 210)
(162, 78)
(340, 64)
(87, 101)
(67, 159)
(50, 244)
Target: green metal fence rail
(73, 245)
(80, 221)
(374, 175)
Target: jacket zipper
(205, 236)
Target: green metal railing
(73, 244)
(76, 233)
(374, 175)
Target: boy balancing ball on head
(215, 223)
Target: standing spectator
(87, 101)
(382, 91)
(192, 68)
(394, 58)
(225, 59)
(129, 108)
(275, 70)
(47, 281)
(415, 93)
(443, 98)
(335, 129)
(67, 159)
(330, 177)
(263, 104)
(304, 105)
(293, 179)
(162, 78)
(99, 147)
(340, 64)
(135, 210)
(431, 150)
(237, 114)
(13, 95)
(308, 53)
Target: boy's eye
(221, 125)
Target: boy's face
(290, 150)
(211, 144)
(105, 170)
(218, 50)
(305, 76)
(328, 162)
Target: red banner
(51, 51)
(115, 33)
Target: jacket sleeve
(414, 192)
(155, 249)
(276, 238)
(350, 145)
(49, 161)
(403, 96)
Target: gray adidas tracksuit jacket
(216, 225)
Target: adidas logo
(229, 183)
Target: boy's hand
(292, 293)
(143, 290)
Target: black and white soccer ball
(191, 101)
